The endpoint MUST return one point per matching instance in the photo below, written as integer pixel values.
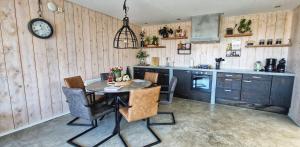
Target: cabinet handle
(256, 77)
(227, 90)
(228, 79)
(228, 75)
(246, 81)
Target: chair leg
(153, 133)
(71, 123)
(70, 141)
(166, 123)
(158, 140)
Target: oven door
(201, 83)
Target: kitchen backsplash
(271, 25)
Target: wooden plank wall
(32, 69)
(272, 25)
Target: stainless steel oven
(202, 81)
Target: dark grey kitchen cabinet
(229, 83)
(281, 91)
(138, 73)
(256, 89)
(163, 76)
(228, 94)
(228, 86)
(183, 87)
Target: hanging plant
(244, 26)
(165, 31)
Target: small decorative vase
(142, 61)
(117, 74)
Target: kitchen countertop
(243, 71)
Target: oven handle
(201, 76)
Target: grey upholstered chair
(166, 98)
(80, 108)
(104, 76)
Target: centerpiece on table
(119, 79)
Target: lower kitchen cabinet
(281, 91)
(163, 76)
(228, 94)
(228, 87)
(256, 91)
(183, 87)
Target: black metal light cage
(125, 38)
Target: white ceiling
(163, 11)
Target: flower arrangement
(117, 70)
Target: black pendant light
(125, 37)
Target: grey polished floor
(198, 124)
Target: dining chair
(77, 82)
(80, 108)
(152, 77)
(166, 98)
(104, 76)
(143, 104)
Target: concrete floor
(198, 124)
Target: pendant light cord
(125, 8)
(40, 9)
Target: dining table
(100, 87)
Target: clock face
(40, 28)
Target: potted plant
(148, 40)
(164, 32)
(141, 55)
(116, 71)
(155, 40)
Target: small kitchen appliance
(281, 65)
(270, 65)
(218, 62)
(258, 66)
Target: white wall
(294, 65)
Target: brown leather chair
(77, 82)
(143, 104)
(152, 77)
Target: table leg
(118, 117)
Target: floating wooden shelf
(279, 45)
(174, 38)
(237, 53)
(238, 35)
(154, 47)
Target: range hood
(205, 28)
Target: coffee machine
(270, 65)
(281, 65)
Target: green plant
(244, 26)
(154, 40)
(142, 54)
(148, 40)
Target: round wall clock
(40, 28)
